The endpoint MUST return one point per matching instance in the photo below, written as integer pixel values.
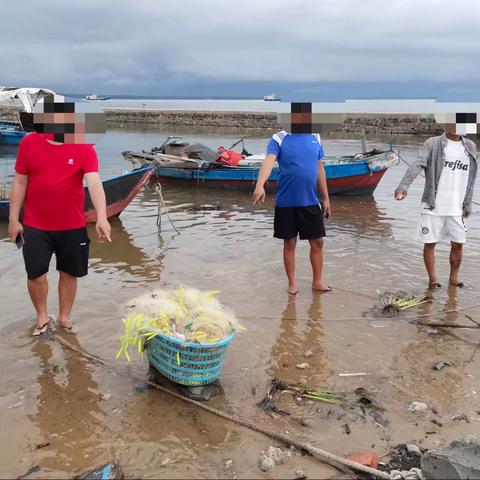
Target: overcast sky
(317, 48)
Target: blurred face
(458, 123)
(66, 125)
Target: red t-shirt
(55, 198)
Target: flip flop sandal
(434, 286)
(40, 330)
(459, 284)
(293, 293)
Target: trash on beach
(185, 314)
(370, 459)
(268, 405)
(416, 407)
(303, 366)
(110, 471)
(34, 469)
(358, 374)
(359, 398)
(403, 457)
(393, 304)
(440, 365)
(42, 445)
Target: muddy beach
(66, 415)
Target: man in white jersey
(449, 163)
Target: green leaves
(393, 304)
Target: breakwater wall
(407, 124)
(398, 124)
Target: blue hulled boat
(11, 133)
(347, 175)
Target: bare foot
(321, 287)
(292, 289)
(65, 323)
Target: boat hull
(355, 185)
(343, 178)
(119, 192)
(11, 137)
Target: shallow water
(91, 415)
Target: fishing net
(186, 314)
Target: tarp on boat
(228, 157)
(199, 151)
(27, 96)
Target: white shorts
(432, 228)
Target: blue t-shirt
(297, 155)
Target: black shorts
(291, 221)
(70, 248)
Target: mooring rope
(161, 204)
(324, 456)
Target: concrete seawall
(396, 124)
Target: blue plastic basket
(187, 363)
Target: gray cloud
(153, 46)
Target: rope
(412, 474)
(161, 203)
(318, 453)
(423, 315)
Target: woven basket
(187, 363)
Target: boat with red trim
(119, 192)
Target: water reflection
(122, 254)
(419, 355)
(360, 216)
(297, 336)
(67, 409)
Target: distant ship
(94, 96)
(272, 98)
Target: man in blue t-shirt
(297, 209)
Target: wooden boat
(346, 175)
(119, 192)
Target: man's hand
(327, 211)
(466, 213)
(103, 229)
(14, 228)
(400, 194)
(258, 195)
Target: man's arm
(97, 194)
(17, 196)
(323, 189)
(414, 170)
(263, 176)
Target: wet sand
(90, 415)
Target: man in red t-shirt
(49, 183)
